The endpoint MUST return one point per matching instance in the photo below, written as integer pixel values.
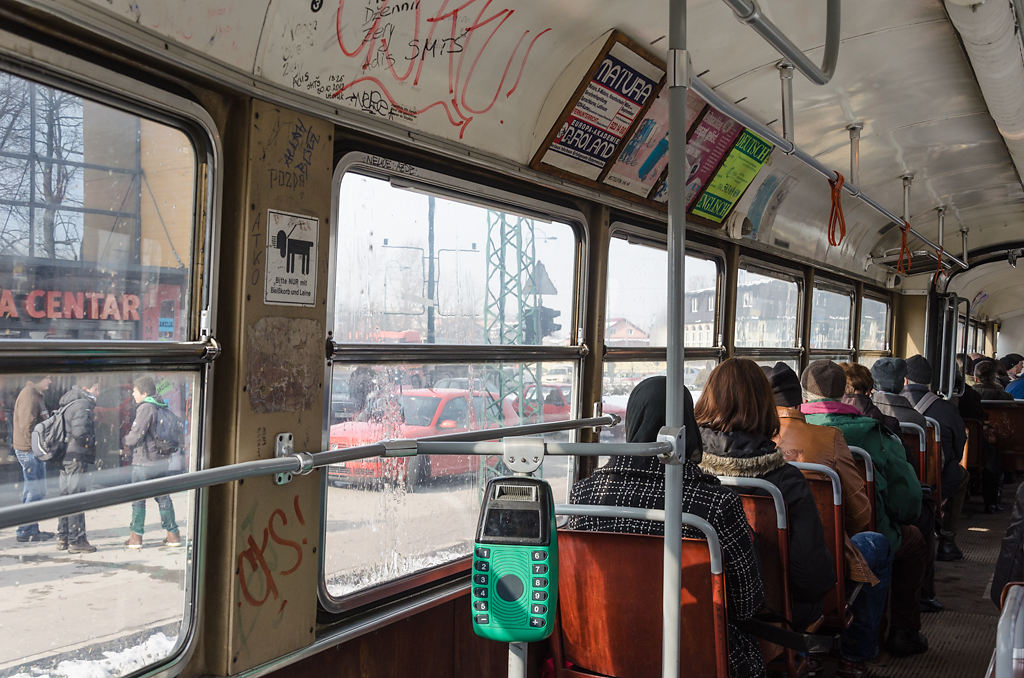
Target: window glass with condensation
(830, 319)
(416, 269)
(636, 310)
(98, 212)
(767, 308)
(874, 325)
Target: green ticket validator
(515, 561)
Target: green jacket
(897, 489)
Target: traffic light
(539, 322)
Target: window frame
(74, 75)
(828, 285)
(403, 174)
(771, 270)
(887, 302)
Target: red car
(417, 413)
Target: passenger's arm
(856, 503)
(744, 588)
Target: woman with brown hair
(737, 419)
(859, 385)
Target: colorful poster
(600, 118)
(645, 155)
(739, 169)
(704, 151)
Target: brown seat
(931, 468)
(867, 472)
(766, 514)
(1006, 421)
(971, 460)
(610, 608)
(827, 490)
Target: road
(59, 607)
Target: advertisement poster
(291, 259)
(645, 156)
(739, 169)
(705, 149)
(591, 133)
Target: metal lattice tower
(511, 260)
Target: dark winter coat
(141, 439)
(812, 568)
(953, 431)
(1008, 565)
(80, 425)
(867, 407)
(640, 482)
(992, 391)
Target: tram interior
(303, 228)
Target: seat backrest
(610, 605)
(931, 470)
(827, 491)
(1006, 420)
(972, 450)
(911, 436)
(867, 472)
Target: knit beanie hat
(825, 379)
(785, 385)
(919, 370)
(889, 374)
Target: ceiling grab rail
(954, 391)
(749, 13)
(728, 108)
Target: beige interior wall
(909, 325)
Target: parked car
(417, 413)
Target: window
(830, 319)
(767, 318)
(874, 325)
(435, 271)
(98, 206)
(693, 306)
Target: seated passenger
(985, 382)
(868, 558)
(640, 482)
(897, 492)
(737, 419)
(954, 436)
(1010, 366)
(859, 385)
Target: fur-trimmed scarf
(739, 454)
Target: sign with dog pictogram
(291, 259)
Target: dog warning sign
(291, 259)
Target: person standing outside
(80, 426)
(148, 463)
(29, 410)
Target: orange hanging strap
(938, 266)
(902, 267)
(835, 217)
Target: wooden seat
(972, 458)
(931, 469)
(766, 514)
(610, 607)
(827, 491)
(867, 472)
(1006, 420)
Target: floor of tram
(961, 637)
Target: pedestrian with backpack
(150, 457)
(29, 410)
(77, 406)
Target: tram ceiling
(901, 72)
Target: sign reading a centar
(291, 259)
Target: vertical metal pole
(679, 81)
(786, 80)
(855, 128)
(430, 269)
(963, 241)
(942, 224)
(517, 660)
(907, 178)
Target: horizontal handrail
(303, 462)
(450, 353)
(62, 354)
(781, 517)
(921, 435)
(550, 449)
(597, 511)
(749, 13)
(869, 465)
(837, 485)
(789, 148)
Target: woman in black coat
(737, 418)
(640, 482)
